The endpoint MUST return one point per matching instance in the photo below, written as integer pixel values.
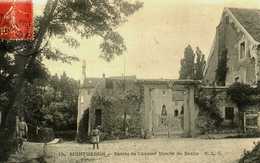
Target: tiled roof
(249, 19)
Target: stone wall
(163, 97)
(243, 68)
(178, 99)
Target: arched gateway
(169, 107)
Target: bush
(243, 94)
(68, 135)
(251, 156)
(209, 117)
(204, 123)
(46, 135)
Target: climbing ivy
(222, 68)
(243, 95)
(209, 116)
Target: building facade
(236, 42)
(167, 107)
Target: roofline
(227, 10)
(210, 54)
(163, 82)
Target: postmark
(16, 19)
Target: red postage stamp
(16, 19)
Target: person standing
(95, 137)
(21, 132)
(23, 128)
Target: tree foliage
(120, 110)
(209, 116)
(52, 103)
(192, 64)
(23, 59)
(187, 64)
(199, 64)
(87, 18)
(243, 95)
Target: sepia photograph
(129, 81)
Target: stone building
(167, 108)
(235, 57)
(237, 38)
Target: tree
(51, 103)
(187, 64)
(85, 17)
(199, 65)
(193, 64)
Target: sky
(155, 36)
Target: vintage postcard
(135, 81)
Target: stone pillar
(186, 113)
(147, 112)
(192, 111)
(190, 114)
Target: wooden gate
(250, 121)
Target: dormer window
(242, 50)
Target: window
(176, 113)
(229, 113)
(0, 117)
(242, 50)
(89, 91)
